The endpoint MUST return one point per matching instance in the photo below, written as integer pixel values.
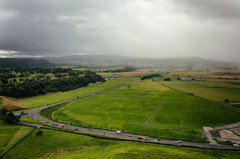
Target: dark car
(140, 137)
(56, 125)
(76, 129)
(158, 139)
(47, 122)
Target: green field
(216, 90)
(10, 134)
(118, 108)
(105, 108)
(58, 97)
(55, 144)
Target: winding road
(134, 137)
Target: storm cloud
(137, 28)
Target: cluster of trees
(32, 87)
(8, 116)
(125, 69)
(38, 73)
(151, 76)
(167, 79)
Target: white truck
(119, 132)
(236, 145)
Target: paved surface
(209, 136)
(33, 114)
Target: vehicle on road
(175, 142)
(236, 145)
(90, 129)
(52, 124)
(76, 129)
(119, 132)
(212, 144)
(140, 137)
(130, 135)
(56, 124)
(144, 138)
(158, 139)
(47, 122)
(179, 141)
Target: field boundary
(137, 140)
(145, 123)
(17, 142)
(200, 97)
(72, 99)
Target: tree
(3, 113)
(226, 100)
(9, 117)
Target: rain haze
(134, 28)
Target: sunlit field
(58, 97)
(59, 145)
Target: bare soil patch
(11, 105)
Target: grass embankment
(55, 144)
(216, 90)
(58, 97)
(10, 105)
(134, 104)
(10, 134)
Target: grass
(49, 111)
(118, 108)
(123, 109)
(11, 105)
(216, 90)
(10, 134)
(55, 144)
(58, 97)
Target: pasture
(216, 90)
(62, 96)
(119, 108)
(10, 134)
(55, 144)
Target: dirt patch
(11, 105)
(93, 84)
(226, 71)
(236, 131)
(226, 134)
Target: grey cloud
(43, 27)
(209, 9)
(140, 28)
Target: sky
(136, 28)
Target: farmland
(55, 144)
(230, 89)
(119, 108)
(58, 97)
(11, 134)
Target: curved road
(33, 114)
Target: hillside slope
(24, 63)
(112, 61)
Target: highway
(33, 114)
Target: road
(33, 114)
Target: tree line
(125, 69)
(34, 87)
(151, 76)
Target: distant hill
(113, 61)
(24, 63)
